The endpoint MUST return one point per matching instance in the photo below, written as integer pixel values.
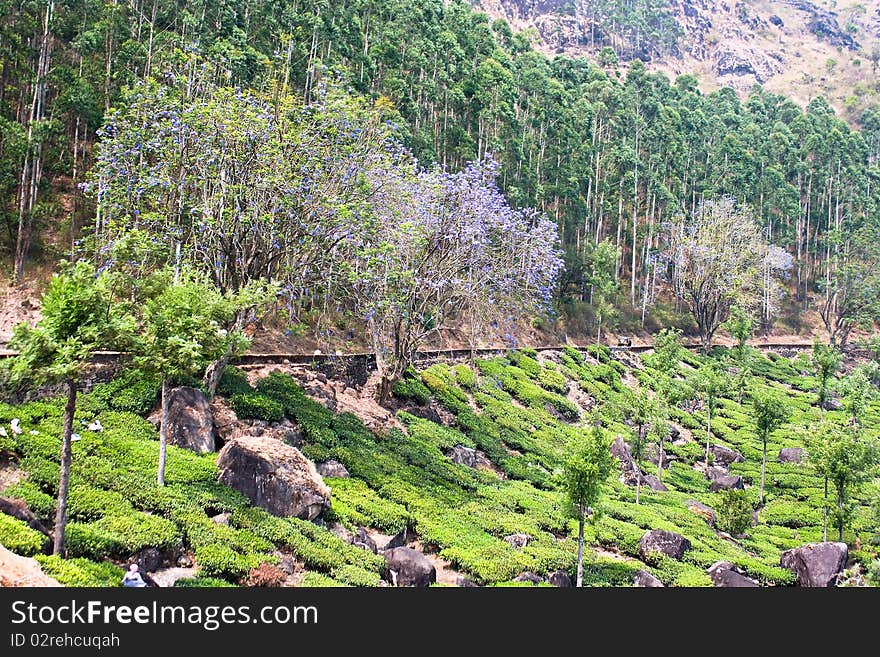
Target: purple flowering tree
(440, 249)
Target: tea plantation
(522, 411)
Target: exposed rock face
(190, 421)
(472, 458)
(528, 577)
(517, 541)
(273, 476)
(149, 559)
(725, 455)
(707, 512)
(653, 483)
(332, 468)
(644, 579)
(725, 574)
(739, 60)
(22, 571)
(559, 578)
(726, 482)
(791, 455)
(363, 540)
(663, 542)
(407, 567)
(816, 564)
(400, 539)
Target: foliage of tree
(720, 258)
(770, 412)
(826, 361)
(588, 465)
(79, 317)
(709, 384)
(733, 513)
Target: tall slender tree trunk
(708, 434)
(763, 468)
(580, 564)
(825, 514)
(163, 432)
(638, 483)
(660, 463)
(840, 514)
(64, 477)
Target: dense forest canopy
(606, 152)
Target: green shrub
(80, 572)
(15, 535)
(132, 392)
(202, 582)
(222, 561)
(411, 389)
(355, 576)
(354, 503)
(121, 535)
(465, 376)
(733, 511)
(87, 503)
(42, 504)
(318, 580)
(256, 406)
(233, 382)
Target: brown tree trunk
(64, 476)
(580, 559)
(763, 469)
(825, 514)
(163, 433)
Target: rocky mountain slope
(802, 48)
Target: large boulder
(620, 449)
(644, 579)
(559, 578)
(190, 421)
(332, 468)
(724, 574)
(16, 570)
(707, 512)
(726, 482)
(725, 455)
(816, 564)
(472, 458)
(653, 483)
(791, 455)
(273, 476)
(407, 567)
(663, 542)
(527, 576)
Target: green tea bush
(318, 580)
(15, 535)
(355, 576)
(224, 562)
(87, 503)
(354, 504)
(121, 536)
(202, 582)
(411, 389)
(552, 380)
(80, 572)
(233, 382)
(465, 376)
(132, 392)
(257, 407)
(42, 504)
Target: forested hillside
(607, 151)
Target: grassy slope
(510, 408)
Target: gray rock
(18, 508)
(273, 476)
(528, 577)
(517, 541)
(725, 574)
(726, 482)
(644, 579)
(184, 561)
(472, 458)
(816, 564)
(791, 455)
(407, 567)
(342, 532)
(332, 468)
(190, 421)
(663, 542)
(363, 540)
(464, 582)
(653, 483)
(706, 512)
(559, 578)
(401, 539)
(149, 560)
(725, 455)
(222, 518)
